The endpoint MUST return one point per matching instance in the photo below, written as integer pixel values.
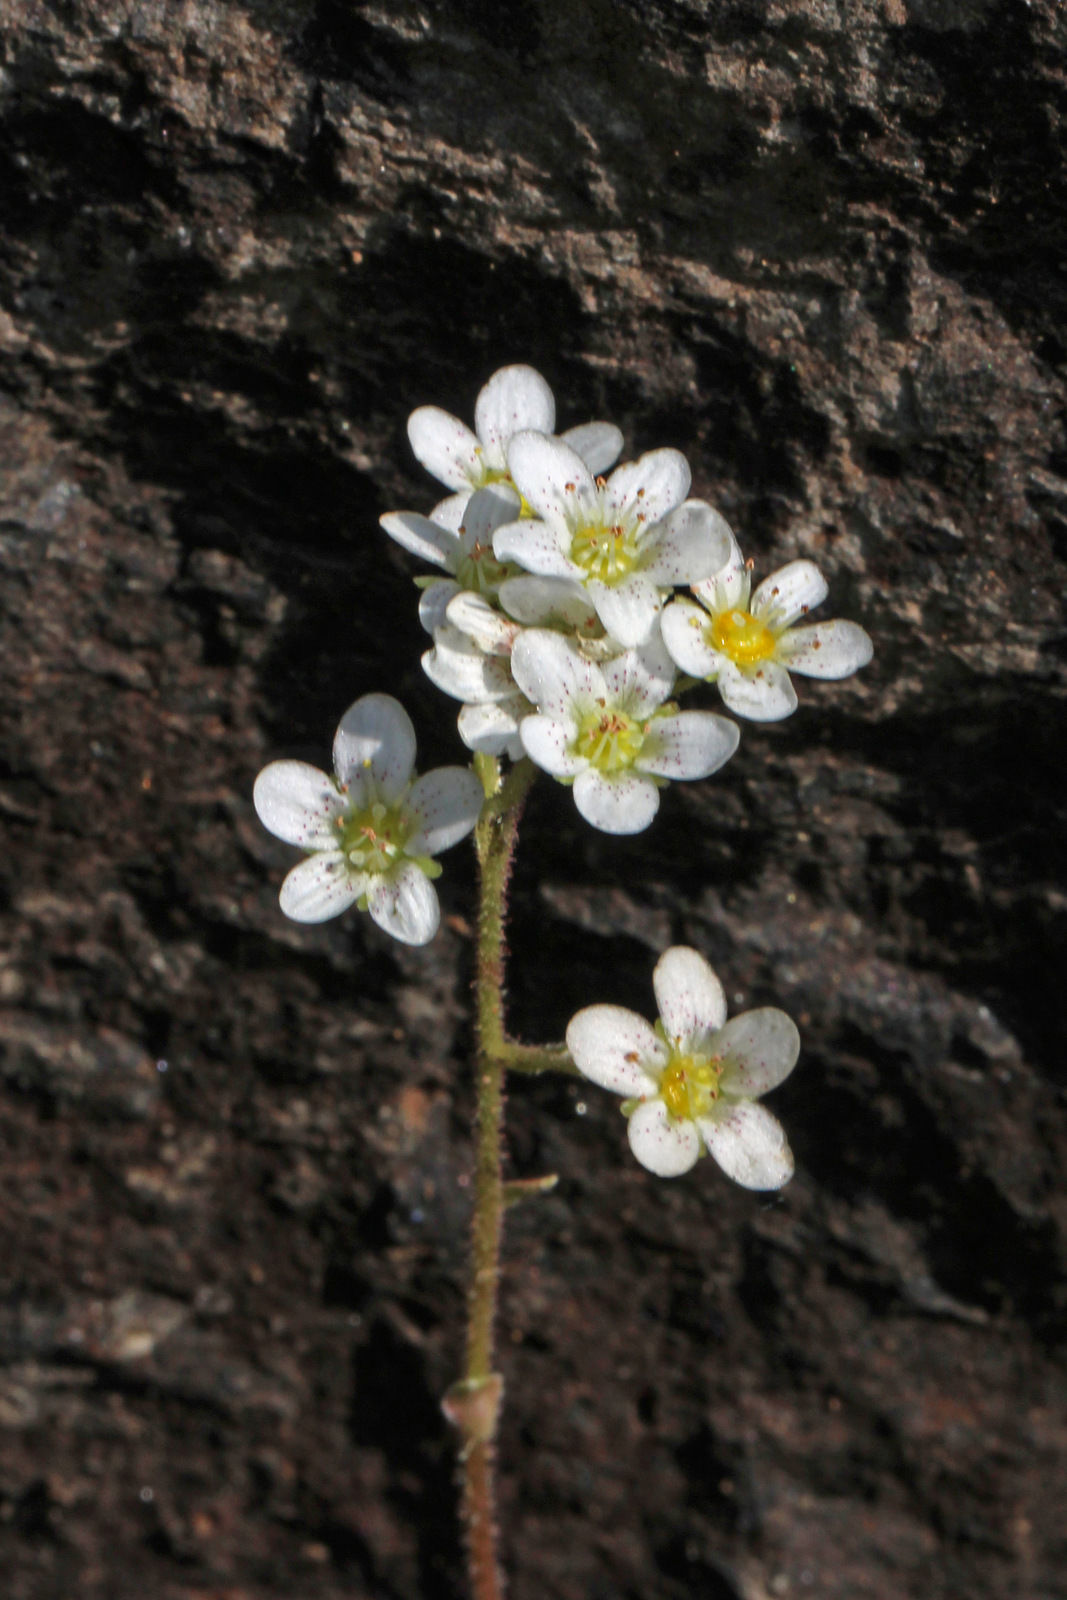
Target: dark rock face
(822, 249)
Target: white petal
(537, 601)
(320, 888)
(692, 1005)
(598, 443)
(446, 447)
(547, 743)
(666, 1146)
(762, 694)
(449, 512)
(434, 602)
(729, 587)
(694, 542)
(404, 903)
(480, 620)
(656, 661)
(298, 803)
(485, 512)
(554, 480)
(616, 1049)
(536, 547)
(446, 803)
(788, 594)
(749, 1144)
(638, 681)
(826, 649)
(375, 735)
(760, 1049)
(690, 744)
(553, 675)
(514, 398)
(627, 609)
(685, 628)
(425, 539)
(458, 668)
(494, 727)
(647, 489)
(622, 802)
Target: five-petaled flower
(372, 831)
(694, 1078)
(626, 539)
(607, 729)
(749, 646)
(514, 398)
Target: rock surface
(820, 247)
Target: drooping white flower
(372, 831)
(607, 729)
(749, 646)
(466, 551)
(694, 1078)
(514, 398)
(626, 539)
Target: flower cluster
(556, 621)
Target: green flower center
(607, 554)
(372, 839)
(610, 740)
(480, 570)
(689, 1086)
(742, 637)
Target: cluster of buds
(557, 625)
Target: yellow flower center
(742, 637)
(608, 554)
(372, 839)
(689, 1086)
(609, 740)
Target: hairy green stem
(535, 1058)
(474, 1403)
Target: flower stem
(474, 1403)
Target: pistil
(609, 740)
(605, 553)
(689, 1086)
(742, 637)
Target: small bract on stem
(556, 623)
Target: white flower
(694, 1077)
(371, 832)
(465, 551)
(514, 398)
(605, 728)
(749, 646)
(624, 539)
